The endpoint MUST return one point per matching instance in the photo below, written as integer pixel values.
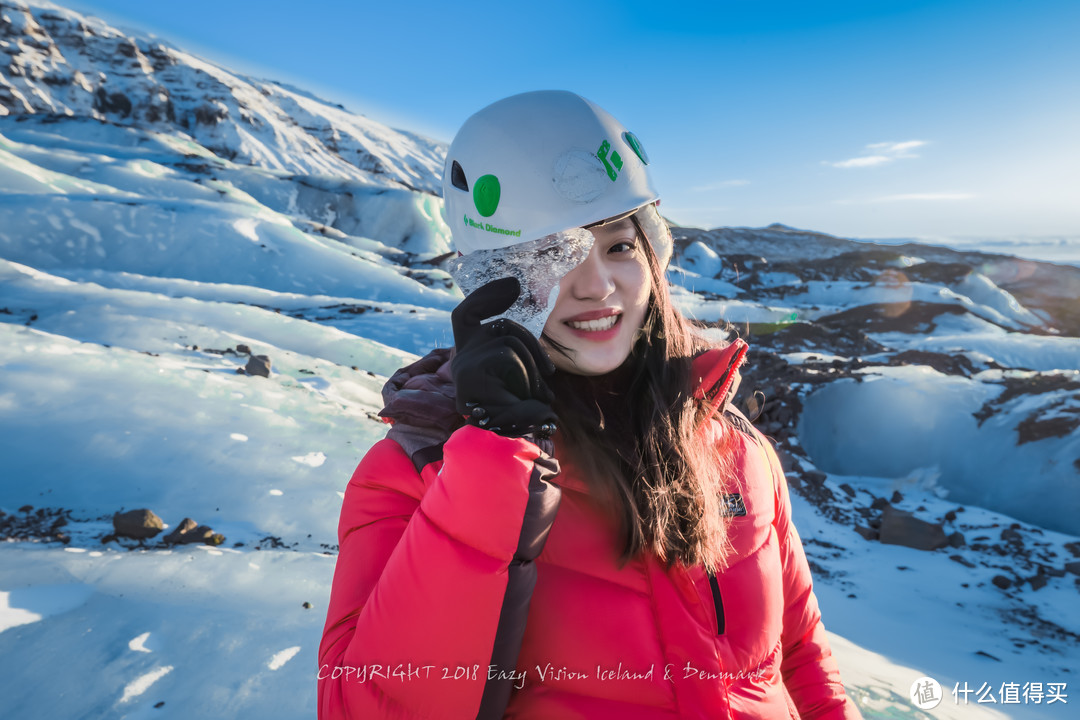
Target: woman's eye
(625, 246)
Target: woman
(580, 525)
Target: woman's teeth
(605, 323)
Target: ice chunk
(538, 265)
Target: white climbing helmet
(541, 163)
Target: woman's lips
(598, 326)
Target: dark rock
(947, 364)
(868, 533)
(243, 350)
(956, 540)
(903, 528)
(1052, 571)
(950, 516)
(258, 365)
(307, 605)
(896, 497)
(1002, 582)
(848, 490)
(190, 532)
(1011, 535)
(1073, 547)
(1073, 567)
(159, 704)
(138, 524)
(1038, 582)
(185, 533)
(815, 478)
(879, 503)
(960, 559)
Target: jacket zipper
(718, 604)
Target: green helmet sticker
(635, 145)
(486, 193)
(613, 164)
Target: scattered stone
(902, 528)
(41, 525)
(159, 704)
(956, 540)
(307, 605)
(986, 654)
(848, 490)
(950, 516)
(815, 478)
(1073, 567)
(258, 365)
(1002, 582)
(879, 503)
(960, 559)
(1073, 547)
(896, 497)
(243, 350)
(137, 524)
(1038, 582)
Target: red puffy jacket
(439, 567)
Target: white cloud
(720, 185)
(881, 153)
(865, 161)
(897, 149)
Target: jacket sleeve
(811, 676)
(420, 586)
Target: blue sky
(871, 119)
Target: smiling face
(602, 303)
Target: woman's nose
(592, 279)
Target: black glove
(499, 368)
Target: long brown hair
(634, 434)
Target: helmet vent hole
(457, 177)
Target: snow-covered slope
(163, 220)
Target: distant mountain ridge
(54, 61)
